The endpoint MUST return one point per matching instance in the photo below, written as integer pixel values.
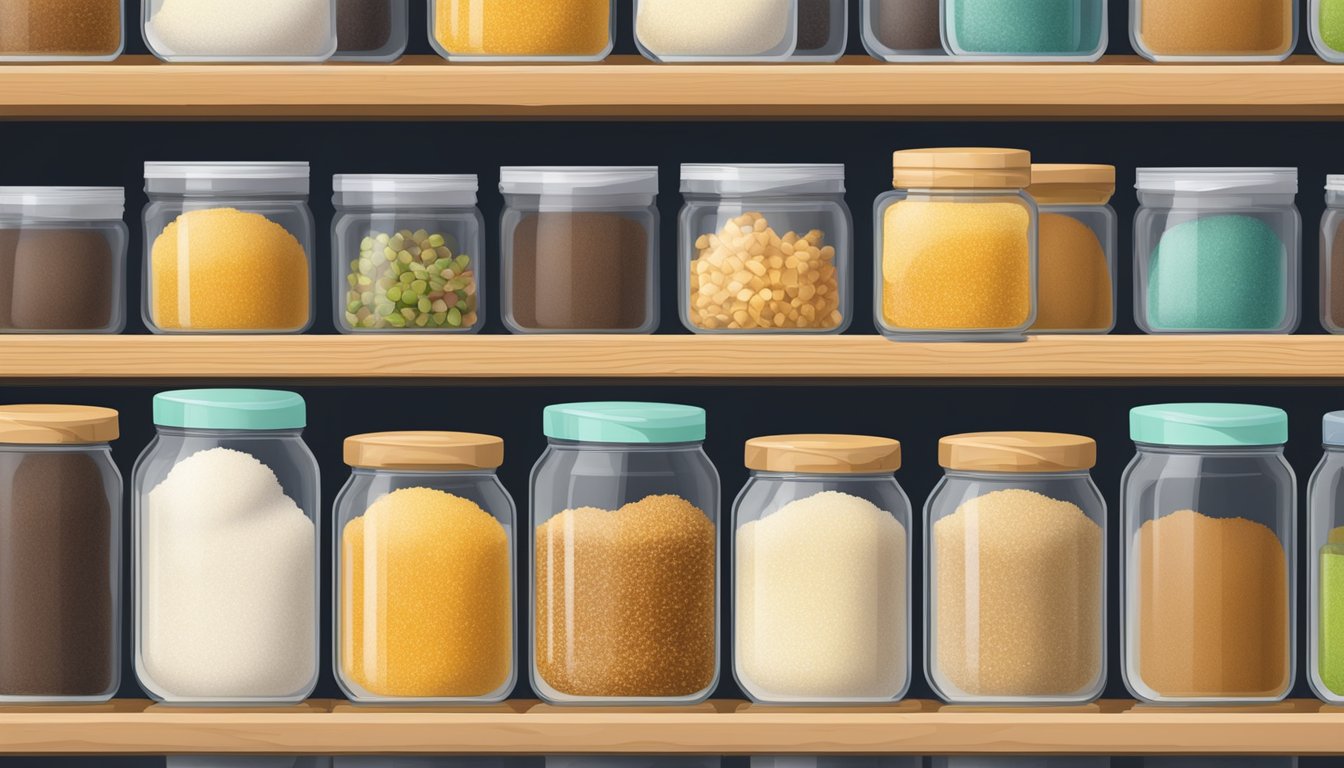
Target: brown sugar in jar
(60, 29)
(1215, 29)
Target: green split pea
(410, 280)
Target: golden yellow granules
(625, 600)
(523, 27)
(1216, 27)
(426, 598)
(1074, 279)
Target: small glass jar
(823, 31)
(903, 30)
(68, 239)
(798, 280)
(1213, 30)
(1015, 563)
(956, 246)
(225, 512)
(206, 31)
(1332, 256)
(228, 248)
(624, 570)
(507, 30)
(424, 570)
(371, 31)
(1210, 509)
(61, 30)
(1217, 250)
(821, 571)
(1325, 566)
(699, 31)
(579, 249)
(1025, 30)
(1075, 289)
(407, 254)
(60, 569)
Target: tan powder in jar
(60, 27)
(1216, 27)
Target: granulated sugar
(242, 28)
(713, 27)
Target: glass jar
(225, 509)
(1210, 510)
(624, 570)
(60, 569)
(73, 238)
(1075, 290)
(1332, 256)
(579, 249)
(1217, 250)
(407, 252)
(903, 30)
(225, 30)
(61, 30)
(1213, 30)
(371, 31)
(1325, 572)
(228, 248)
(1025, 30)
(956, 246)
(836, 629)
(823, 31)
(691, 31)
(1015, 563)
(797, 281)
(507, 30)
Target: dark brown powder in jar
(363, 25)
(909, 25)
(1336, 277)
(60, 27)
(78, 262)
(814, 24)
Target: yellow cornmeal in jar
(1074, 290)
(426, 598)
(956, 266)
(523, 27)
(242, 272)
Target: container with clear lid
(60, 569)
(423, 583)
(1213, 30)
(1015, 567)
(1208, 566)
(1075, 289)
(255, 31)
(765, 249)
(1025, 30)
(61, 30)
(1332, 256)
(1325, 566)
(579, 249)
(821, 571)
(691, 31)
(903, 30)
(1217, 250)
(956, 246)
(624, 570)
(823, 30)
(225, 512)
(67, 240)
(228, 248)
(371, 30)
(407, 254)
(508, 30)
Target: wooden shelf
(630, 87)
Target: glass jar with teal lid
(225, 509)
(624, 569)
(1025, 30)
(1208, 573)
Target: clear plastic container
(226, 517)
(1076, 275)
(228, 248)
(699, 31)
(823, 30)
(257, 31)
(1327, 29)
(1325, 574)
(1217, 250)
(70, 239)
(624, 570)
(407, 254)
(424, 570)
(371, 30)
(903, 30)
(1213, 30)
(799, 280)
(1025, 30)
(579, 248)
(507, 30)
(1332, 256)
(961, 226)
(1208, 570)
(1015, 567)
(61, 30)
(837, 630)
(60, 569)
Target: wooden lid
(1021, 452)
(1065, 184)
(424, 451)
(823, 454)
(57, 425)
(961, 168)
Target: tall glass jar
(1325, 566)
(821, 571)
(1210, 509)
(1015, 563)
(228, 248)
(507, 30)
(423, 583)
(1076, 247)
(765, 249)
(698, 31)
(903, 30)
(1025, 30)
(60, 569)
(624, 570)
(1332, 256)
(1213, 30)
(225, 509)
(277, 31)
(61, 30)
(371, 31)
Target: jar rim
(65, 203)
(578, 180)
(759, 178)
(1235, 180)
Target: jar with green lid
(1025, 30)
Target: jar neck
(826, 477)
(47, 448)
(451, 473)
(962, 474)
(235, 434)
(576, 445)
(1209, 450)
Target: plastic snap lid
(578, 180)
(423, 189)
(1017, 452)
(230, 409)
(624, 422)
(1208, 424)
(961, 168)
(1272, 181)
(1334, 183)
(823, 454)
(1064, 184)
(763, 177)
(281, 177)
(1332, 429)
(66, 203)
(424, 451)
(57, 425)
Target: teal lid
(624, 422)
(1208, 424)
(240, 409)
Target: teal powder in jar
(1218, 273)
(1025, 27)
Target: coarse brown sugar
(60, 27)
(1216, 27)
